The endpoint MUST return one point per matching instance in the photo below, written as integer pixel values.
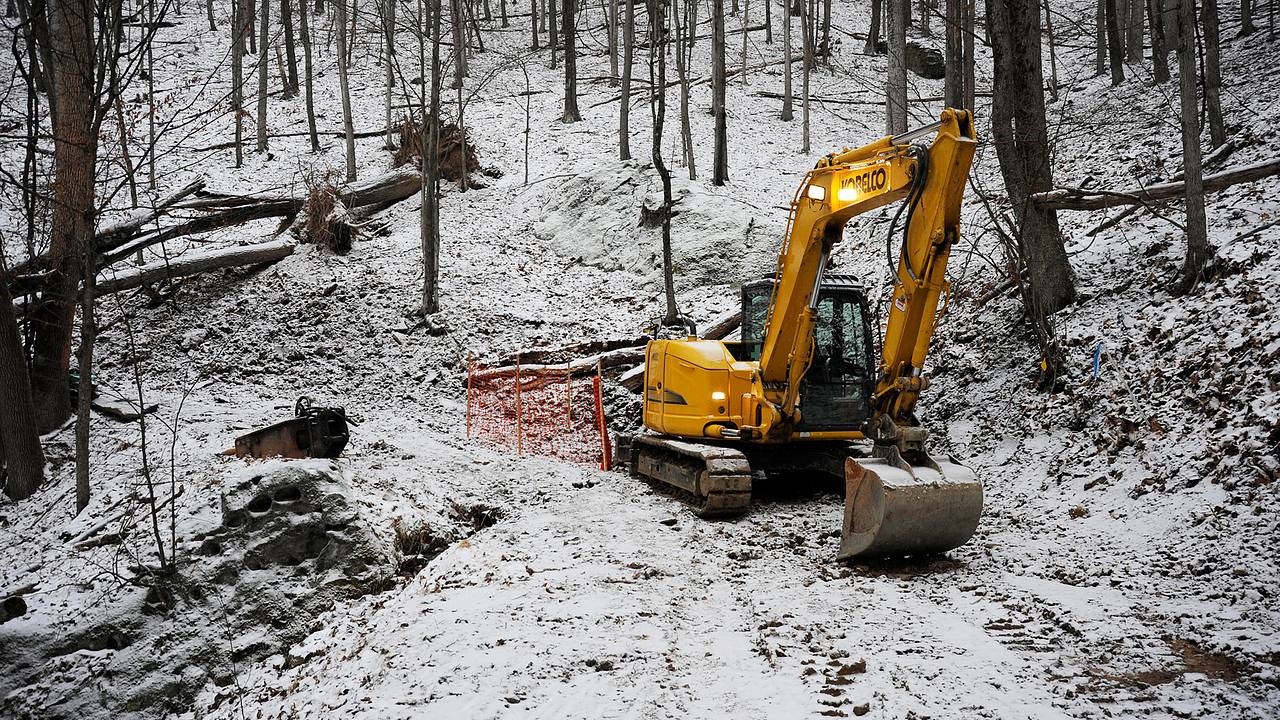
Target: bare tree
(787, 112)
(76, 48)
(1198, 250)
(1159, 50)
(953, 83)
(291, 56)
(1053, 50)
(387, 14)
(970, 83)
(533, 23)
(458, 22)
(1100, 38)
(658, 111)
(1133, 28)
(1115, 42)
(1212, 73)
(686, 22)
(872, 46)
(237, 74)
(307, 76)
(720, 165)
(1246, 18)
(264, 8)
(895, 89)
(21, 457)
(348, 127)
(624, 109)
(571, 113)
(807, 41)
(430, 144)
(746, 35)
(554, 40)
(611, 20)
(1020, 134)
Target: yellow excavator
(797, 394)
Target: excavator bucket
(892, 507)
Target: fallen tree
(1080, 199)
(219, 210)
(196, 263)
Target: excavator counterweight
(802, 392)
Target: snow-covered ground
(1125, 564)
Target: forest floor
(1125, 564)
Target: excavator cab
(836, 390)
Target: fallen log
(107, 238)
(609, 360)
(195, 264)
(1079, 199)
(566, 353)
(720, 328)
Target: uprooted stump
(458, 158)
(325, 220)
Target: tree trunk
(1100, 38)
(74, 210)
(554, 38)
(1213, 73)
(895, 88)
(290, 54)
(1198, 250)
(1019, 133)
(307, 76)
(237, 74)
(1115, 43)
(624, 110)
(787, 112)
(533, 23)
(250, 14)
(686, 24)
(807, 40)
(84, 392)
(1133, 39)
(872, 47)
(348, 127)
(970, 82)
(430, 213)
(720, 167)
(1246, 18)
(20, 453)
(1159, 51)
(746, 36)
(264, 8)
(925, 9)
(389, 39)
(1053, 51)
(460, 42)
(611, 19)
(571, 113)
(658, 107)
(953, 84)
(208, 6)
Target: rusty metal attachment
(316, 432)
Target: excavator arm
(842, 186)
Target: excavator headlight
(717, 395)
(847, 195)
(816, 192)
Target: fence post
(605, 451)
(519, 412)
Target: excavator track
(714, 480)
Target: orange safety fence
(538, 410)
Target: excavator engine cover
(892, 507)
(316, 432)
